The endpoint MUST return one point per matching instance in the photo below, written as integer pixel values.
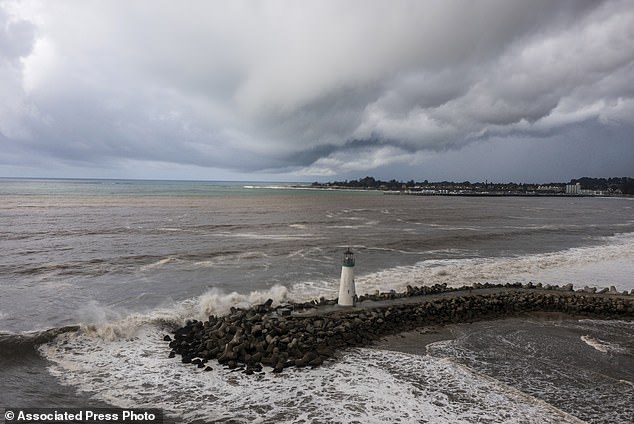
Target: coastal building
(593, 192)
(347, 293)
(549, 189)
(573, 188)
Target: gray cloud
(325, 88)
(16, 41)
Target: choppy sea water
(126, 259)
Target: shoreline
(416, 341)
(300, 335)
(454, 193)
(500, 194)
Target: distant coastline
(582, 187)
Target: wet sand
(416, 341)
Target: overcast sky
(537, 90)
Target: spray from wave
(104, 323)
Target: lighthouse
(347, 293)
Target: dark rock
(279, 367)
(316, 362)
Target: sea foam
(364, 384)
(601, 345)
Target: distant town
(618, 186)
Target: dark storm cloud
(314, 88)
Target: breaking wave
(213, 302)
(20, 343)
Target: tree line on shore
(617, 185)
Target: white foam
(364, 385)
(216, 302)
(158, 263)
(232, 260)
(626, 382)
(360, 222)
(276, 237)
(609, 323)
(596, 344)
(607, 264)
(309, 290)
(273, 187)
(313, 254)
(389, 249)
(55, 285)
(601, 345)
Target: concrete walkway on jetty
(308, 309)
(307, 334)
(366, 304)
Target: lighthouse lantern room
(347, 293)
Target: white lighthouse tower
(347, 293)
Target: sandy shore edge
(416, 341)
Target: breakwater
(307, 334)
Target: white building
(573, 188)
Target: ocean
(127, 260)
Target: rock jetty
(307, 334)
